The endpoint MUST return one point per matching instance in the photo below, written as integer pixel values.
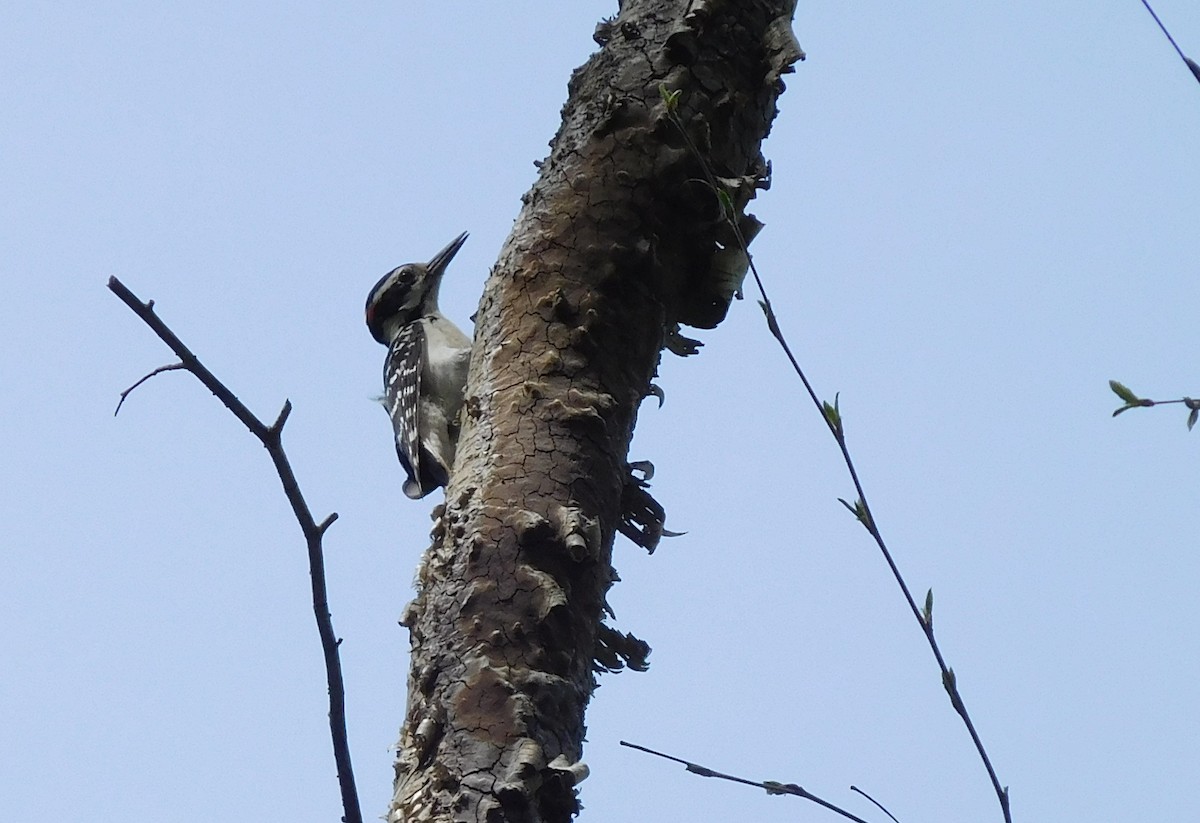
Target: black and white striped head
(407, 292)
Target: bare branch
(186, 358)
(324, 525)
(882, 808)
(159, 370)
(1193, 67)
(270, 437)
(284, 413)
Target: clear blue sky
(981, 212)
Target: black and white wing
(402, 387)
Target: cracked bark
(621, 238)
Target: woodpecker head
(407, 292)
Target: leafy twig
(769, 786)
(1132, 401)
(862, 511)
(271, 437)
(833, 419)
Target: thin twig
(1189, 62)
(1174, 45)
(769, 786)
(868, 520)
(832, 418)
(882, 808)
(271, 438)
(159, 370)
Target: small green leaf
(832, 416)
(726, 204)
(1192, 418)
(1124, 393)
(670, 98)
(859, 510)
(927, 612)
(772, 323)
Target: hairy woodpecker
(425, 372)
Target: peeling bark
(620, 240)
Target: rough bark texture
(620, 239)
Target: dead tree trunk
(629, 231)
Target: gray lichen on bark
(620, 239)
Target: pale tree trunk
(620, 239)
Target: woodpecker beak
(442, 259)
